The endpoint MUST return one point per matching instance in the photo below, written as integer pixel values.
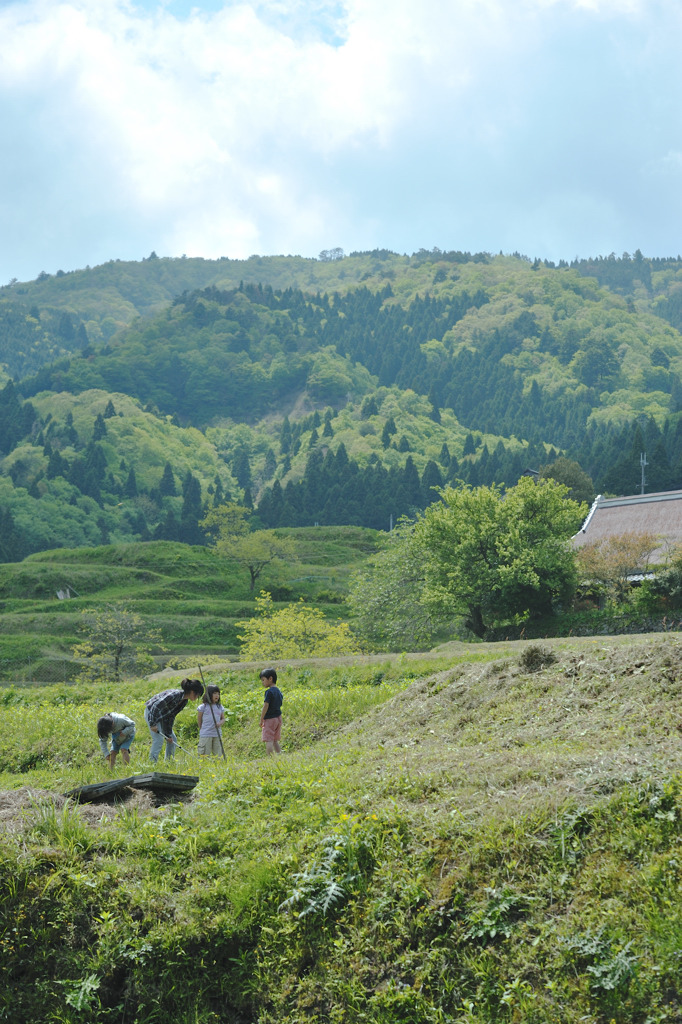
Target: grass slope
(453, 840)
(193, 599)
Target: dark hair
(105, 725)
(192, 686)
(269, 673)
(210, 690)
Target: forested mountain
(29, 340)
(109, 297)
(338, 390)
(94, 468)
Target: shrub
(297, 631)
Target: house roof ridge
(658, 514)
(639, 499)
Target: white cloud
(282, 124)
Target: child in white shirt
(211, 717)
(122, 732)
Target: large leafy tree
(385, 596)
(494, 556)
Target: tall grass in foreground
(54, 727)
(274, 897)
(345, 882)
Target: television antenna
(643, 463)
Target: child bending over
(122, 732)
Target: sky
(552, 128)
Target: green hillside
(112, 295)
(90, 470)
(485, 338)
(334, 391)
(187, 595)
(467, 839)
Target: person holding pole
(211, 718)
(160, 713)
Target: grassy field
(191, 598)
(489, 834)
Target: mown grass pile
(442, 842)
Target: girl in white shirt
(210, 716)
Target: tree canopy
(254, 552)
(492, 556)
(296, 631)
(116, 642)
(568, 472)
(607, 565)
(386, 596)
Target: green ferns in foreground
(348, 882)
(267, 902)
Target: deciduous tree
(568, 472)
(228, 526)
(608, 564)
(116, 642)
(386, 597)
(296, 631)
(493, 556)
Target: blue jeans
(158, 741)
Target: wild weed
(609, 966)
(343, 862)
(81, 994)
(63, 827)
(496, 917)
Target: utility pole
(643, 463)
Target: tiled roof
(659, 514)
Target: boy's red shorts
(272, 729)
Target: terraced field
(193, 599)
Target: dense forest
(338, 390)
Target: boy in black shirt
(271, 715)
